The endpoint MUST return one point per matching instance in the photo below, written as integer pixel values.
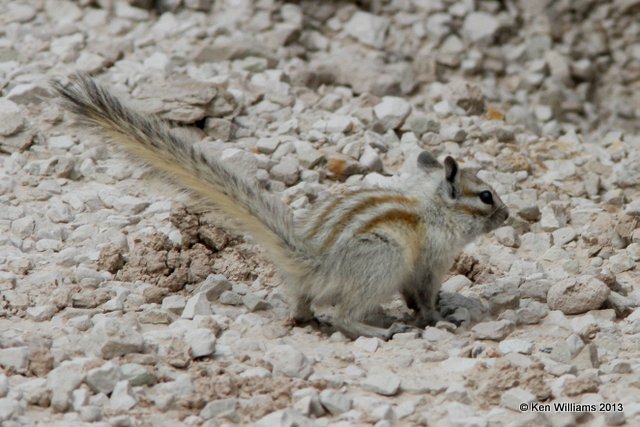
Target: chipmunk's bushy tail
(148, 138)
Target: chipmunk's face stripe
(363, 206)
(410, 219)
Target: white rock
(392, 111)
(493, 330)
(286, 170)
(368, 344)
(61, 381)
(577, 295)
(41, 313)
(197, 304)
(308, 155)
(368, 28)
(507, 236)
(370, 159)
(104, 378)
(122, 398)
(287, 360)
(336, 124)
(563, 236)
(382, 382)
(284, 418)
(174, 303)
(620, 262)
(16, 358)
(452, 132)
(4, 385)
(61, 142)
(480, 27)
(267, 145)
(11, 117)
(335, 402)
(23, 227)
(456, 283)
(10, 408)
(201, 342)
(220, 408)
(111, 337)
(515, 346)
(514, 397)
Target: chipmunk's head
(475, 205)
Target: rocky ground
(122, 305)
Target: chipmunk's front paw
(399, 328)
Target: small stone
(230, 298)
(111, 337)
(368, 28)
(137, 374)
(286, 417)
(585, 383)
(368, 344)
(384, 383)
(255, 303)
(201, 342)
(465, 95)
(10, 408)
(551, 218)
(480, 27)
(16, 358)
(391, 112)
(515, 346)
(11, 117)
(267, 145)
(222, 408)
(41, 313)
(452, 132)
(174, 303)
(456, 283)
(337, 124)
(104, 378)
(370, 160)
(307, 154)
(122, 398)
(62, 142)
(493, 330)
(214, 285)
(335, 402)
(197, 304)
(515, 397)
(507, 236)
(617, 367)
(4, 385)
(587, 358)
(577, 295)
(288, 361)
(286, 170)
(308, 402)
(62, 381)
(563, 235)
(620, 262)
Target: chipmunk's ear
(450, 169)
(452, 176)
(426, 161)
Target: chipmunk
(354, 251)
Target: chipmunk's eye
(486, 197)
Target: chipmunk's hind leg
(364, 284)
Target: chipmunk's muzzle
(498, 218)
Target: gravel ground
(123, 305)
